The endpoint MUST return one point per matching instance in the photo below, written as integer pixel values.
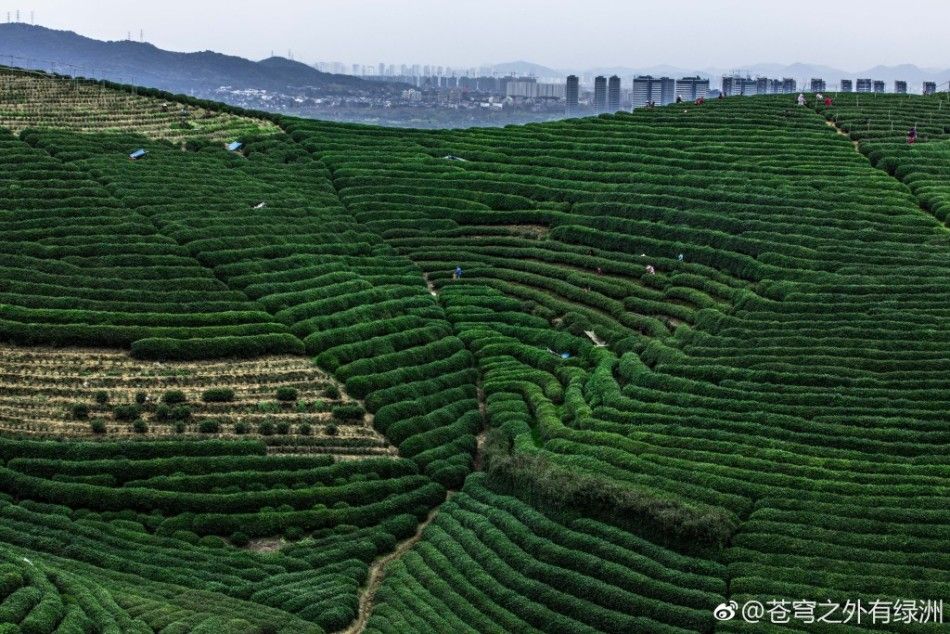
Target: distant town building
(847, 85)
(930, 88)
(761, 85)
(783, 86)
(613, 94)
(865, 85)
(879, 86)
(522, 88)
(571, 93)
(736, 85)
(817, 85)
(692, 88)
(900, 87)
(659, 90)
(731, 86)
(551, 91)
(600, 93)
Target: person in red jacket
(827, 102)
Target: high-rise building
(613, 94)
(692, 88)
(817, 85)
(551, 91)
(847, 85)
(642, 91)
(781, 86)
(571, 93)
(761, 85)
(879, 86)
(525, 88)
(865, 85)
(900, 87)
(930, 88)
(600, 93)
(658, 90)
(736, 85)
(382, 69)
(731, 86)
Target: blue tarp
(235, 146)
(137, 154)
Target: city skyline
(551, 34)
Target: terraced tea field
(91, 392)
(662, 361)
(36, 100)
(882, 124)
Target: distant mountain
(908, 72)
(526, 69)
(143, 64)
(662, 70)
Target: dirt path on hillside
(430, 285)
(483, 434)
(377, 573)
(831, 124)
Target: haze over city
(692, 34)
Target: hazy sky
(695, 34)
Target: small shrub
(348, 412)
(186, 536)
(331, 430)
(181, 412)
(286, 394)
(174, 397)
(139, 426)
(211, 541)
(218, 395)
(126, 413)
(283, 428)
(210, 426)
(266, 428)
(98, 426)
(304, 429)
(180, 427)
(101, 397)
(331, 391)
(293, 533)
(241, 428)
(240, 539)
(79, 411)
(166, 414)
(141, 398)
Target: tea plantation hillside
(615, 371)
(882, 124)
